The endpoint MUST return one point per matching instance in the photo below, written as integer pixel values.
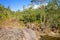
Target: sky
(15, 4)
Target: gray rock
(17, 34)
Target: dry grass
(11, 23)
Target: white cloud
(36, 6)
(45, 4)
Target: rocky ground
(17, 34)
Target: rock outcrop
(17, 34)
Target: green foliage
(49, 14)
(3, 13)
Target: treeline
(47, 16)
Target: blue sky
(15, 4)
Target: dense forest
(46, 15)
